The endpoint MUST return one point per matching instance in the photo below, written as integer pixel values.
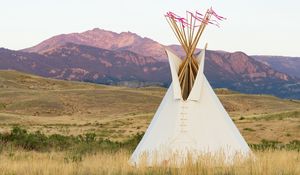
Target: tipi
(190, 118)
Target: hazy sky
(253, 26)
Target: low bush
(275, 145)
(87, 143)
(78, 146)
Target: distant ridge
(105, 39)
(288, 65)
(129, 59)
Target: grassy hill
(72, 108)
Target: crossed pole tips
(188, 31)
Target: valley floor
(116, 113)
(74, 109)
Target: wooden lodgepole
(184, 30)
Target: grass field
(53, 163)
(73, 108)
(118, 114)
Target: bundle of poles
(188, 32)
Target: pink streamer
(212, 12)
(196, 16)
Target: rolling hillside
(67, 107)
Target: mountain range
(288, 65)
(101, 56)
(106, 40)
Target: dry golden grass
(73, 108)
(55, 163)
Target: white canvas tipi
(194, 124)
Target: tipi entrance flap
(197, 87)
(175, 62)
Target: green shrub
(76, 145)
(79, 146)
(131, 143)
(248, 129)
(2, 106)
(61, 142)
(275, 145)
(293, 145)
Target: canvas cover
(196, 126)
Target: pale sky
(269, 27)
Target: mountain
(288, 65)
(70, 61)
(238, 71)
(26, 62)
(85, 63)
(107, 57)
(236, 65)
(106, 40)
